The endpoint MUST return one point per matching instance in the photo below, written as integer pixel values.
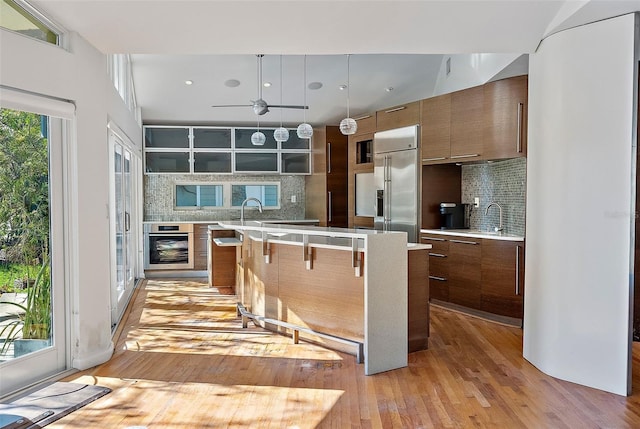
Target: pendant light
(258, 138)
(281, 134)
(305, 131)
(348, 125)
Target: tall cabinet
(326, 188)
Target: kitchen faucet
(244, 203)
(486, 212)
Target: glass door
(124, 231)
(32, 248)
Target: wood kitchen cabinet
(398, 116)
(467, 124)
(505, 118)
(465, 275)
(503, 277)
(326, 188)
(436, 129)
(222, 260)
(360, 161)
(438, 267)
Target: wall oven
(168, 246)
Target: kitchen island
(347, 283)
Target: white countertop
(282, 229)
(473, 233)
(212, 221)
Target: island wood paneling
(418, 300)
(223, 260)
(328, 298)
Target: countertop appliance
(168, 246)
(397, 181)
(454, 215)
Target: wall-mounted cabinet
(360, 175)
(436, 129)
(222, 150)
(398, 116)
(467, 120)
(505, 121)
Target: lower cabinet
(480, 274)
(465, 277)
(503, 278)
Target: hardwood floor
(182, 360)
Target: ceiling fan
(260, 106)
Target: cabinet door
(465, 271)
(336, 176)
(438, 267)
(467, 116)
(398, 116)
(503, 277)
(360, 157)
(436, 129)
(505, 107)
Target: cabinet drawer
(438, 288)
(438, 266)
(398, 116)
(438, 245)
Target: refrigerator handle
(380, 203)
(387, 188)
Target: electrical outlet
(476, 202)
(294, 198)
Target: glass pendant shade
(281, 134)
(305, 131)
(348, 126)
(258, 138)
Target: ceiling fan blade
(288, 106)
(232, 105)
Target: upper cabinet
(483, 122)
(505, 123)
(436, 129)
(467, 120)
(398, 116)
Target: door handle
(127, 222)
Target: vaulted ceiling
(395, 44)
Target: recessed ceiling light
(389, 89)
(315, 85)
(188, 82)
(232, 83)
(266, 84)
(342, 87)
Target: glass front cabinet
(222, 150)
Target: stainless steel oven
(168, 246)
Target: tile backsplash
(503, 182)
(159, 203)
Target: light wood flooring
(182, 360)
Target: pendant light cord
(281, 109)
(348, 82)
(304, 110)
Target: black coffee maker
(454, 215)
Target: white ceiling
(210, 41)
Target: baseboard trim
(496, 318)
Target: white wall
(579, 204)
(469, 70)
(79, 75)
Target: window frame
(227, 197)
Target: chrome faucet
(244, 203)
(486, 212)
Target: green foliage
(10, 272)
(35, 320)
(24, 187)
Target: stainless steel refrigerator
(397, 181)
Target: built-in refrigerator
(397, 181)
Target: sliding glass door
(124, 224)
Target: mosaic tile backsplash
(503, 182)
(159, 204)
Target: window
(216, 195)
(119, 69)
(269, 195)
(199, 196)
(18, 16)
